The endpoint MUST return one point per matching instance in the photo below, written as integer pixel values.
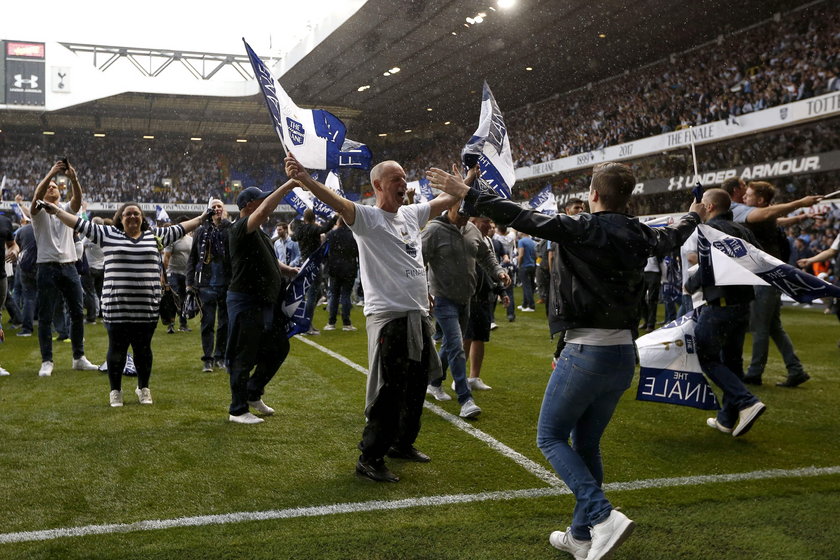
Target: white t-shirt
(391, 258)
(836, 244)
(690, 246)
(54, 239)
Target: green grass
(69, 460)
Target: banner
(490, 148)
(296, 291)
(670, 371)
(544, 202)
(422, 190)
(316, 137)
(301, 199)
(751, 123)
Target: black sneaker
(752, 379)
(208, 366)
(409, 454)
(375, 469)
(170, 329)
(794, 380)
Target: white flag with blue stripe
(544, 202)
(490, 148)
(422, 190)
(293, 306)
(301, 199)
(316, 137)
(161, 214)
(726, 260)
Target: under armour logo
(32, 81)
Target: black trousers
(120, 337)
(394, 417)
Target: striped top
(131, 287)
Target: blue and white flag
(490, 148)
(545, 201)
(161, 214)
(670, 371)
(316, 137)
(18, 212)
(293, 306)
(725, 261)
(422, 190)
(301, 199)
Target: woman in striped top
(132, 287)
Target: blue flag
(301, 199)
(490, 148)
(296, 291)
(316, 137)
(161, 214)
(18, 212)
(545, 201)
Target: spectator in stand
(57, 274)
(175, 257)
(132, 287)
(209, 272)
(308, 236)
(342, 265)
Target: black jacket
(199, 276)
(597, 279)
(343, 255)
(308, 236)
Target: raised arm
(42, 187)
(779, 210)
(68, 219)
(269, 203)
(76, 188)
(341, 205)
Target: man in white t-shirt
(56, 264)
(401, 355)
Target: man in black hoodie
(594, 296)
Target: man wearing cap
(256, 323)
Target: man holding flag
(401, 355)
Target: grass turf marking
(380, 505)
(531, 466)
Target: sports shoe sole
(615, 541)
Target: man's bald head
(381, 168)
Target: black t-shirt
(253, 264)
(5, 236)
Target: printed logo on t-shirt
(411, 249)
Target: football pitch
(79, 479)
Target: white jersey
(391, 258)
(54, 239)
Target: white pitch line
(380, 505)
(531, 466)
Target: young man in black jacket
(594, 297)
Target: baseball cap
(250, 194)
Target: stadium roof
(442, 61)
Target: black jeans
(394, 417)
(120, 337)
(213, 303)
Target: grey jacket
(451, 256)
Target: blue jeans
(340, 293)
(766, 324)
(579, 402)
(256, 341)
(55, 280)
(178, 283)
(719, 334)
(213, 302)
(528, 287)
(312, 296)
(29, 289)
(452, 319)
(686, 305)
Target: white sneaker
(747, 417)
(713, 423)
(609, 534)
(329, 327)
(4, 371)
(493, 326)
(115, 397)
(567, 543)
(46, 369)
(470, 409)
(437, 393)
(477, 383)
(246, 418)
(144, 395)
(349, 328)
(83, 364)
(261, 407)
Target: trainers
(219, 363)
(24, 333)
(713, 423)
(567, 543)
(493, 326)
(752, 380)
(747, 417)
(46, 369)
(469, 409)
(4, 371)
(375, 470)
(477, 383)
(794, 380)
(144, 395)
(329, 327)
(246, 418)
(349, 328)
(208, 365)
(409, 454)
(609, 534)
(313, 331)
(185, 329)
(261, 407)
(115, 398)
(437, 393)
(83, 364)
(170, 329)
